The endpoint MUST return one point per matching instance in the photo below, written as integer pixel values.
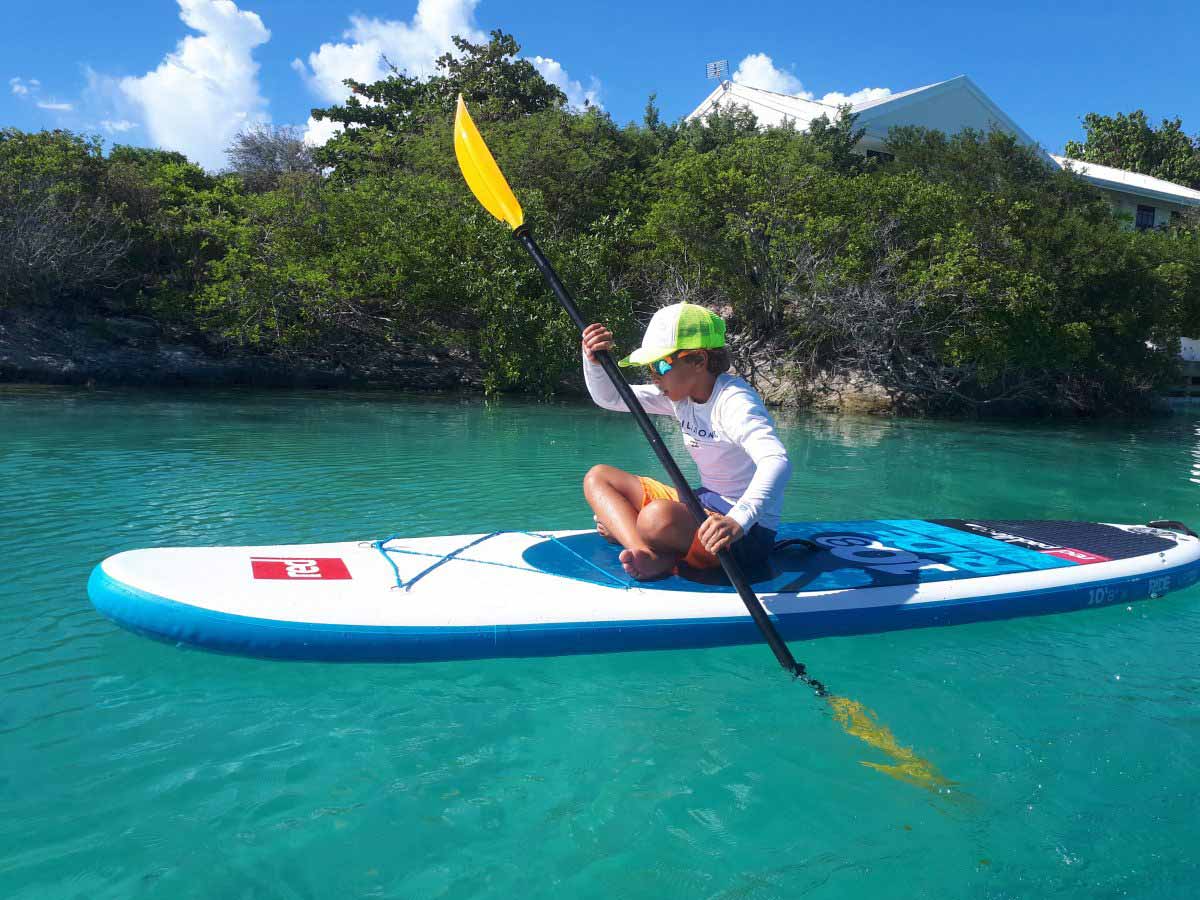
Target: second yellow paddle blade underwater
(479, 168)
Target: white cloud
(206, 90)
(553, 71)
(835, 98)
(24, 87)
(105, 105)
(412, 47)
(102, 90)
(30, 89)
(319, 131)
(759, 70)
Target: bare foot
(604, 532)
(645, 565)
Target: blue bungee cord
(443, 558)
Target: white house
(1148, 201)
(952, 106)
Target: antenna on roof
(718, 70)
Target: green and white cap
(681, 326)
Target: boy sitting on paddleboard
(743, 465)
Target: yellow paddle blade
(863, 724)
(479, 168)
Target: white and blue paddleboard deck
(536, 594)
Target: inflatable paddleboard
(550, 593)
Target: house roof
(859, 108)
(873, 115)
(1130, 182)
(963, 95)
(733, 93)
(796, 108)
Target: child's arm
(748, 424)
(597, 338)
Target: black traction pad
(1090, 537)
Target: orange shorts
(696, 557)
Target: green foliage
(490, 77)
(962, 274)
(1130, 142)
(177, 217)
(526, 341)
(308, 267)
(381, 119)
(401, 260)
(69, 165)
(60, 242)
(965, 273)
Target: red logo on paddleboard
(325, 569)
(1076, 556)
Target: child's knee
(595, 477)
(660, 523)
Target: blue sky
(188, 74)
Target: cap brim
(643, 356)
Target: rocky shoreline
(41, 347)
(36, 348)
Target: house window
(880, 155)
(1145, 217)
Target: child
(743, 466)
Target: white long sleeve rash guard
(731, 437)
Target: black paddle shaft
(686, 494)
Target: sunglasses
(665, 365)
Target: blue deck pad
(836, 555)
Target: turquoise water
(132, 768)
